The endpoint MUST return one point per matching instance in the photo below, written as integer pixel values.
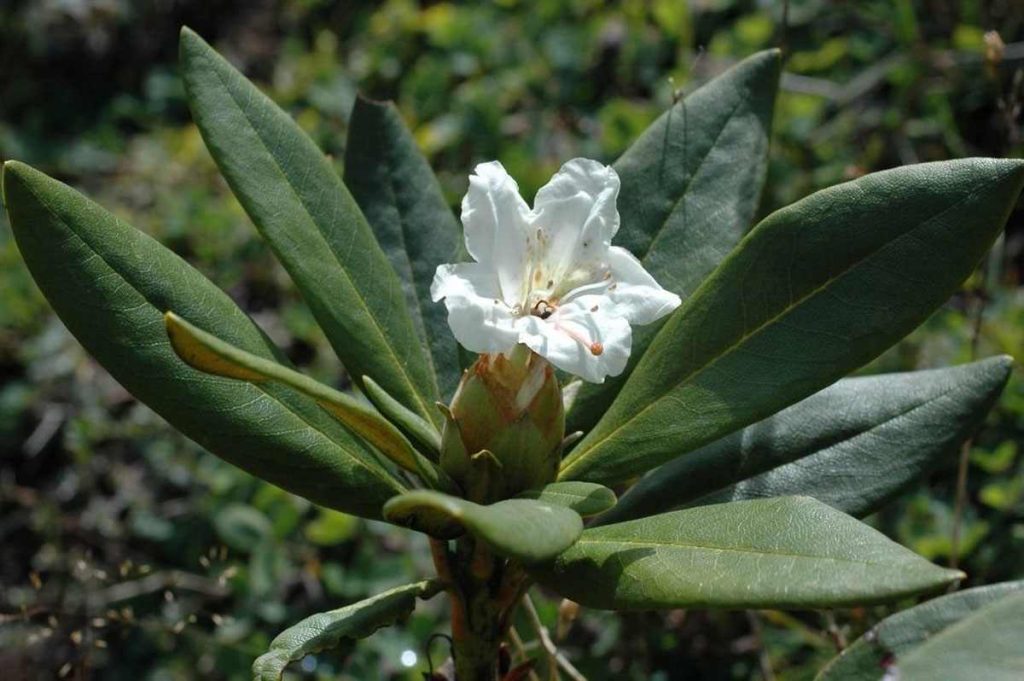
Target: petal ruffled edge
(634, 292)
(479, 319)
(496, 222)
(577, 214)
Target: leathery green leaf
(586, 498)
(111, 284)
(297, 201)
(325, 630)
(985, 645)
(854, 445)
(686, 200)
(402, 200)
(527, 530)
(790, 552)
(886, 645)
(814, 291)
(206, 352)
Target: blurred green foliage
(130, 554)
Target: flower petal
(576, 213)
(478, 318)
(634, 292)
(496, 222)
(581, 338)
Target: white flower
(549, 277)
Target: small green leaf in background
(816, 290)
(397, 191)
(296, 199)
(330, 528)
(326, 630)
(586, 498)
(690, 188)
(526, 530)
(241, 527)
(971, 641)
(854, 445)
(790, 552)
(110, 285)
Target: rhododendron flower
(549, 277)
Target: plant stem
(484, 590)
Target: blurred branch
(158, 581)
(556, 658)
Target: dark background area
(128, 553)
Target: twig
(963, 465)
(517, 643)
(556, 659)
(837, 635)
(762, 655)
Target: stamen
(595, 347)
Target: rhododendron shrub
(627, 395)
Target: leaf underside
(326, 630)
(527, 530)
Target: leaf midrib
(425, 412)
(723, 549)
(563, 474)
(689, 180)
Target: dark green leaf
(326, 630)
(854, 445)
(402, 200)
(297, 201)
(111, 284)
(690, 187)
(586, 498)
(814, 291)
(527, 530)
(887, 644)
(790, 552)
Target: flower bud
(505, 427)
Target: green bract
(735, 407)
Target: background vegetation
(130, 554)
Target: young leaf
(421, 431)
(300, 206)
(402, 200)
(690, 187)
(325, 630)
(586, 498)
(854, 445)
(815, 290)
(210, 354)
(791, 552)
(526, 530)
(110, 285)
(891, 641)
